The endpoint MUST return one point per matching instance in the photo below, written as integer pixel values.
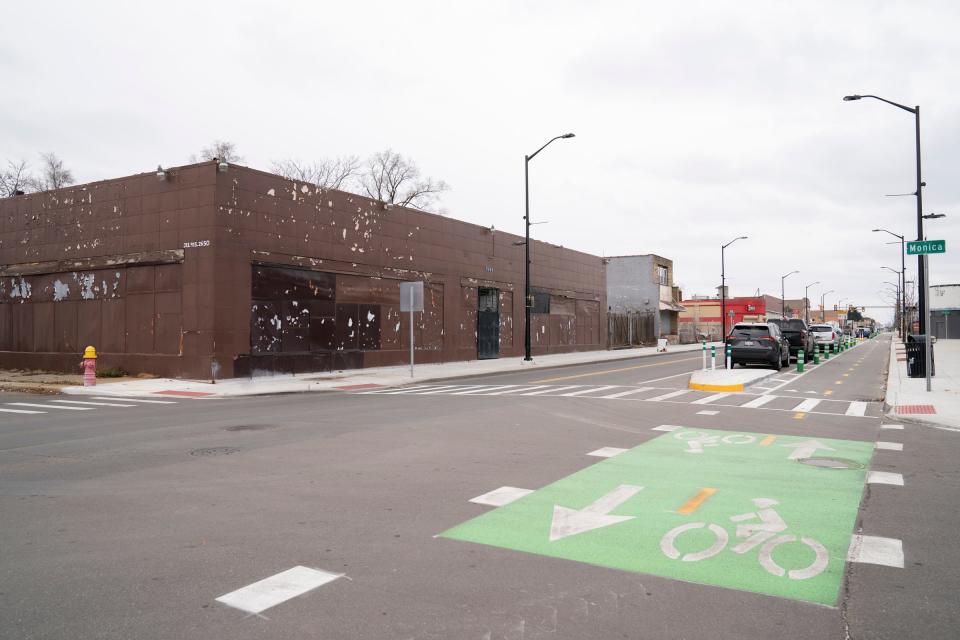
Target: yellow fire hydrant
(89, 365)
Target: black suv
(758, 343)
(798, 335)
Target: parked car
(758, 343)
(797, 334)
(823, 334)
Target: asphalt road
(130, 522)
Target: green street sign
(764, 513)
(926, 246)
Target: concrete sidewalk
(361, 378)
(908, 397)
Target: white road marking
(483, 390)
(709, 399)
(48, 406)
(95, 404)
(667, 396)
(552, 390)
(857, 409)
(758, 402)
(20, 411)
(807, 405)
(517, 390)
(707, 413)
(456, 387)
(424, 388)
(890, 446)
(607, 452)
(884, 477)
(764, 388)
(891, 426)
(667, 427)
(805, 449)
(569, 522)
(590, 390)
(269, 592)
(125, 399)
(876, 550)
(626, 393)
(393, 390)
(501, 496)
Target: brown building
(223, 271)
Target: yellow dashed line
(838, 382)
(828, 392)
(766, 442)
(600, 373)
(693, 503)
(800, 415)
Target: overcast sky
(695, 122)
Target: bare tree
(53, 174)
(16, 178)
(220, 150)
(392, 179)
(329, 173)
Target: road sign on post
(411, 299)
(923, 247)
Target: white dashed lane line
(258, 597)
(48, 406)
(20, 411)
(124, 399)
(93, 404)
(890, 446)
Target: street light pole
(527, 301)
(783, 299)
(806, 301)
(900, 277)
(723, 289)
(921, 271)
(823, 317)
(903, 275)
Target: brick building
(214, 270)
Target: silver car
(824, 334)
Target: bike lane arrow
(569, 522)
(805, 449)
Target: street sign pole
(927, 346)
(411, 332)
(411, 299)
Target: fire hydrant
(89, 365)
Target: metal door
(488, 324)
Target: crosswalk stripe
(458, 387)
(590, 390)
(553, 390)
(758, 402)
(425, 388)
(517, 390)
(710, 399)
(395, 390)
(626, 393)
(125, 399)
(857, 409)
(48, 406)
(667, 396)
(20, 411)
(482, 390)
(807, 405)
(95, 404)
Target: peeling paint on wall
(20, 289)
(61, 290)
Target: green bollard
(826, 351)
(816, 355)
(800, 361)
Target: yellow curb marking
(694, 503)
(600, 373)
(766, 442)
(713, 387)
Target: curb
(740, 386)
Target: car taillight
(770, 338)
(833, 335)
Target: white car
(824, 334)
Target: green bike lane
(765, 513)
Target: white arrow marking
(569, 522)
(806, 449)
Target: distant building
(644, 284)
(945, 310)
(700, 318)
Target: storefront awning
(671, 306)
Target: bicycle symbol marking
(701, 440)
(762, 534)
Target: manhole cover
(832, 463)
(248, 427)
(214, 451)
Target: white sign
(196, 244)
(411, 296)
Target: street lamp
(783, 300)
(823, 296)
(528, 301)
(900, 276)
(903, 274)
(921, 273)
(723, 288)
(806, 301)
